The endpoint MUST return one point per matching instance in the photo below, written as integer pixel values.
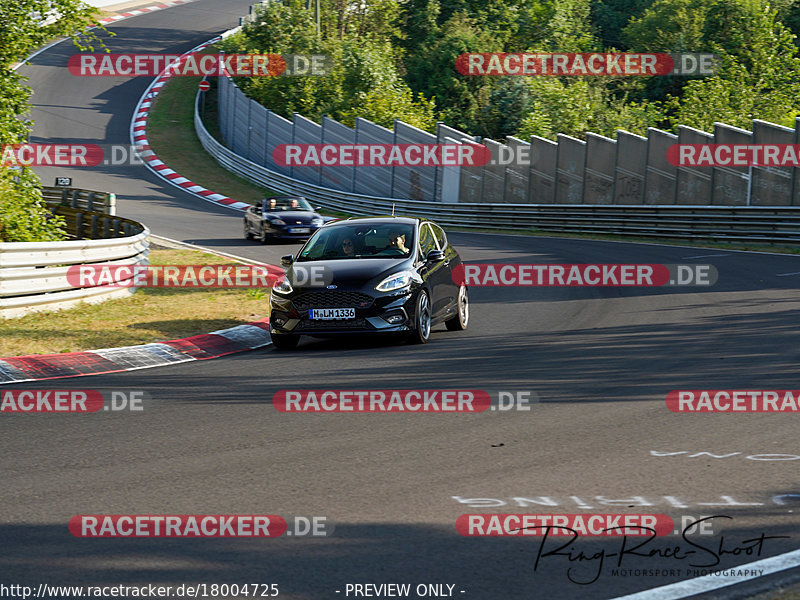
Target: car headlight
(316, 221)
(277, 222)
(397, 281)
(283, 287)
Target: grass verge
(171, 135)
(149, 315)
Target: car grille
(331, 325)
(332, 299)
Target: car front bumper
(388, 313)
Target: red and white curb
(151, 161)
(114, 360)
(142, 11)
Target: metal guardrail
(766, 224)
(33, 275)
(104, 202)
(85, 224)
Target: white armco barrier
(33, 275)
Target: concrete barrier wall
(659, 175)
(630, 170)
(376, 181)
(542, 177)
(307, 132)
(570, 166)
(418, 182)
(693, 183)
(771, 186)
(339, 178)
(730, 185)
(598, 179)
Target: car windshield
(281, 204)
(384, 240)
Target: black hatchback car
(281, 218)
(369, 275)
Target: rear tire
(422, 319)
(461, 320)
(284, 341)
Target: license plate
(331, 313)
(300, 230)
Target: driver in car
(348, 247)
(397, 240)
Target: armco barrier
(103, 202)
(93, 225)
(33, 275)
(768, 224)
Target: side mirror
(317, 208)
(435, 256)
(286, 261)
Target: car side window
(426, 240)
(441, 239)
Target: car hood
(293, 217)
(354, 272)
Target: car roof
(379, 220)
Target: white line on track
(787, 274)
(165, 241)
(707, 583)
(704, 256)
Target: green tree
(669, 26)
(575, 106)
(611, 16)
(432, 72)
(386, 102)
(27, 24)
(570, 29)
(760, 80)
(363, 80)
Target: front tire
(422, 318)
(284, 341)
(461, 320)
(263, 238)
(248, 235)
